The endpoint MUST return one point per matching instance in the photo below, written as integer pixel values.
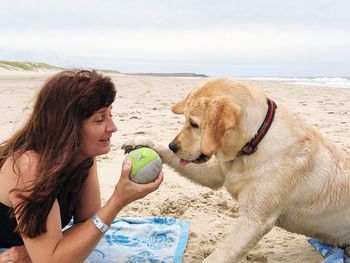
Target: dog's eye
(193, 124)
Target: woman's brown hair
(53, 131)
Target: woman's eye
(193, 124)
(99, 119)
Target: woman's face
(97, 132)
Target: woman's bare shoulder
(17, 172)
(28, 157)
(25, 165)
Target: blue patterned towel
(330, 253)
(142, 239)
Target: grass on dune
(26, 65)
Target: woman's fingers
(13, 256)
(126, 168)
(152, 186)
(159, 179)
(17, 254)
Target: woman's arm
(76, 245)
(89, 197)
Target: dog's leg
(207, 174)
(260, 205)
(246, 234)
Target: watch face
(100, 225)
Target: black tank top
(8, 236)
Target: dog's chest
(236, 182)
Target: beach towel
(330, 253)
(142, 239)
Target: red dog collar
(252, 145)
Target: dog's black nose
(173, 147)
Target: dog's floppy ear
(179, 107)
(220, 116)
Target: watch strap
(99, 224)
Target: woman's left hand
(127, 191)
(15, 255)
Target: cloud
(181, 44)
(171, 14)
(169, 34)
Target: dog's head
(213, 113)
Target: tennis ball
(145, 165)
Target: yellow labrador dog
(281, 170)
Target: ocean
(338, 82)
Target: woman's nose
(111, 127)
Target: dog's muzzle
(201, 159)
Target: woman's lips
(106, 141)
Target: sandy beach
(142, 107)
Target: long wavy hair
(53, 131)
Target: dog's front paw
(137, 142)
(221, 256)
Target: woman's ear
(220, 117)
(179, 107)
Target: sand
(143, 107)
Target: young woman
(48, 173)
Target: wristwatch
(99, 224)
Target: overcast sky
(219, 37)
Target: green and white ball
(145, 165)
